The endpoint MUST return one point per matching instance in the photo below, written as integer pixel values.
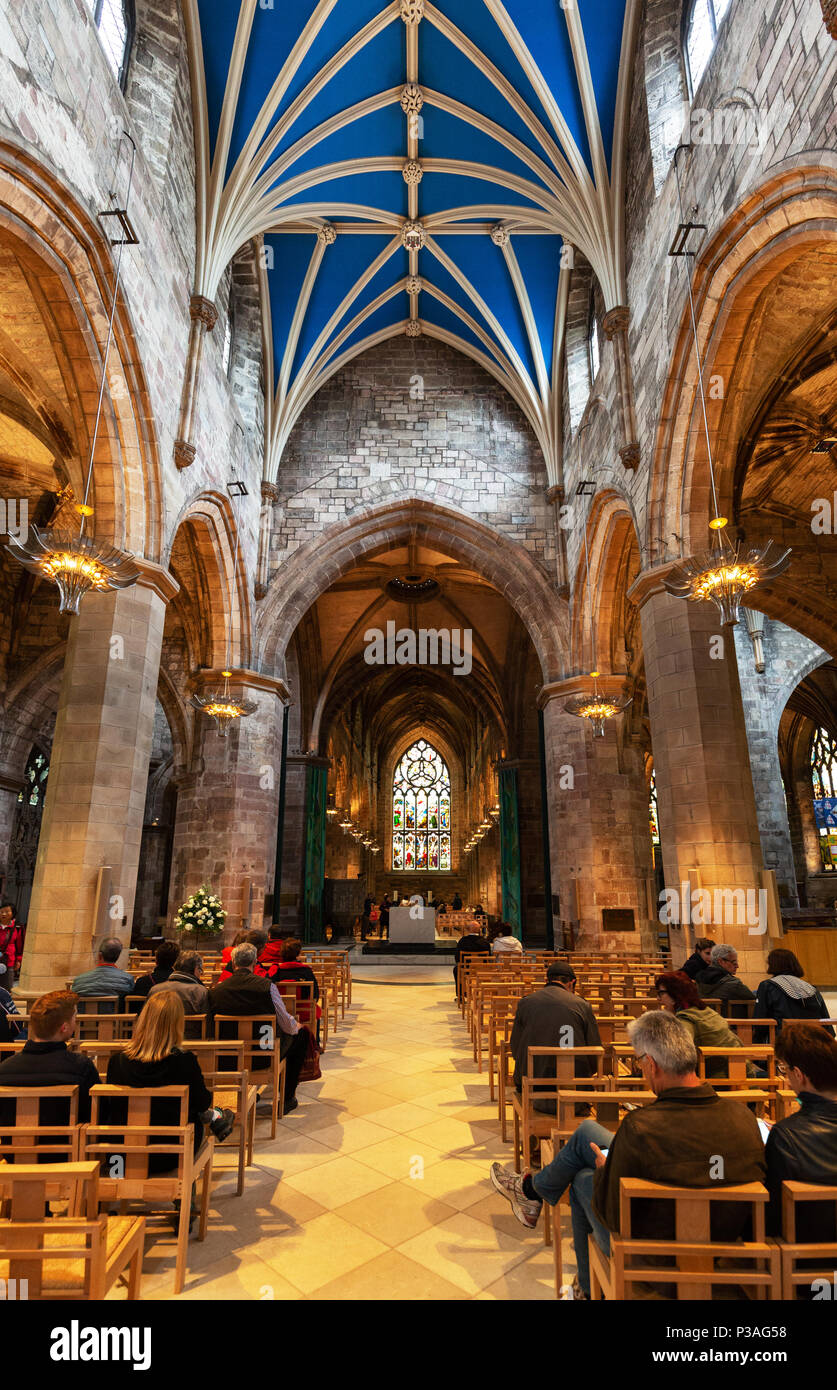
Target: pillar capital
(616, 320)
(160, 581)
(270, 492)
(555, 494)
(650, 582)
(202, 310)
(240, 676)
(612, 683)
(184, 454)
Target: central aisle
(378, 1186)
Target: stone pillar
(615, 325)
(600, 837)
(555, 497)
(227, 806)
(95, 798)
(708, 824)
(289, 911)
(204, 317)
(270, 494)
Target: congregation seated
(246, 993)
(803, 1146)
(549, 1017)
(700, 959)
(786, 994)
(164, 958)
(717, 980)
(286, 965)
(226, 955)
(503, 940)
(105, 977)
(185, 981)
(469, 942)
(45, 1059)
(677, 1139)
(678, 995)
(10, 1031)
(271, 954)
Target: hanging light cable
(79, 563)
(222, 706)
(593, 705)
(726, 572)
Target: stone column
(555, 497)
(270, 495)
(204, 317)
(615, 325)
(95, 799)
(708, 825)
(227, 806)
(600, 838)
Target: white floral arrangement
(201, 914)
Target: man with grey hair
(718, 980)
(246, 993)
(688, 1136)
(105, 977)
(185, 980)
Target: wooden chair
(298, 998)
(77, 1256)
(746, 1028)
(34, 1133)
(530, 1123)
(124, 1149)
(803, 1262)
(231, 1090)
(696, 1263)
(258, 1032)
(734, 1061)
(115, 1027)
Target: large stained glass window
(824, 779)
(653, 814)
(421, 823)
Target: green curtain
(315, 826)
(510, 849)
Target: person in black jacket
(803, 1146)
(552, 1017)
(468, 942)
(45, 1060)
(787, 994)
(155, 1057)
(700, 959)
(718, 980)
(164, 958)
(10, 1029)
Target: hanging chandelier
(221, 706)
(727, 571)
(593, 705)
(78, 564)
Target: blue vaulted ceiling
(304, 133)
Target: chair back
(39, 1124)
(127, 1147)
(55, 1256)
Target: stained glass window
(653, 817)
(824, 782)
(593, 340)
(420, 810)
(35, 779)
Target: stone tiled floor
(377, 1187)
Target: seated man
(247, 993)
(803, 1146)
(552, 1017)
(717, 980)
(164, 958)
(271, 954)
(105, 977)
(469, 941)
(185, 980)
(677, 1139)
(45, 1059)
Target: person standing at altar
(456, 905)
(11, 942)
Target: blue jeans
(573, 1167)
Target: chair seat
(58, 1273)
(228, 1100)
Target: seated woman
(164, 958)
(226, 955)
(503, 940)
(155, 1057)
(290, 967)
(787, 995)
(679, 995)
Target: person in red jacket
(280, 961)
(226, 954)
(11, 942)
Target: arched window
(824, 782)
(703, 19)
(114, 20)
(421, 818)
(593, 344)
(228, 341)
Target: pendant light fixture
(593, 705)
(727, 571)
(77, 564)
(223, 707)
